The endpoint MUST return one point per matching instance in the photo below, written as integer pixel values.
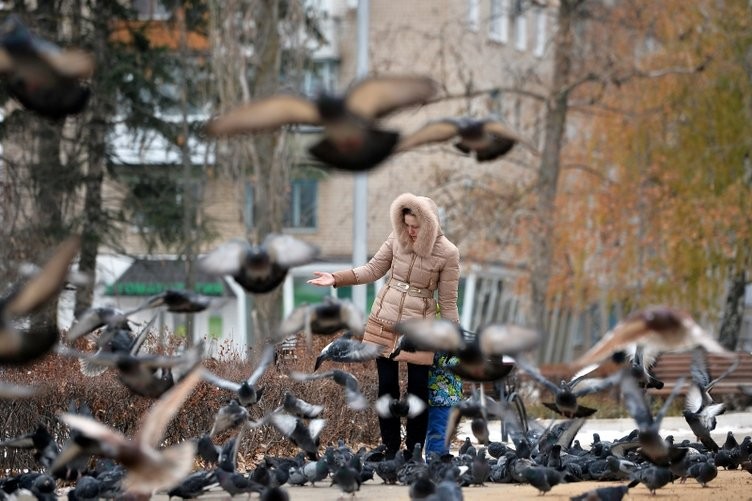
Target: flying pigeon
(258, 268)
(353, 139)
(40, 75)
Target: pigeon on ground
(353, 139)
(194, 485)
(703, 471)
(43, 77)
(653, 477)
(245, 392)
(258, 268)
(487, 138)
(615, 493)
(234, 483)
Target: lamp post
(360, 188)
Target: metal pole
(360, 188)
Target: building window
(520, 26)
(498, 26)
(320, 76)
(151, 10)
(301, 212)
(248, 211)
(473, 14)
(301, 209)
(540, 32)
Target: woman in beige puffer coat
(422, 261)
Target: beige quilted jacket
(417, 271)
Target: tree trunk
(269, 171)
(555, 123)
(93, 215)
(733, 311)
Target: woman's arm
(369, 272)
(449, 281)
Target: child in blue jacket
(444, 392)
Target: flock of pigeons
(140, 465)
(50, 81)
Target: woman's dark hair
(406, 211)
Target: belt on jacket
(409, 289)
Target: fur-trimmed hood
(426, 212)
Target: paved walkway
(609, 429)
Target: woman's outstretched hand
(323, 279)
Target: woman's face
(413, 225)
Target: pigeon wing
(69, 63)
(267, 357)
(47, 283)
(288, 251)
(432, 335)
(433, 132)
(500, 339)
(263, 115)
(376, 97)
(227, 259)
(382, 405)
(154, 423)
(219, 382)
(415, 405)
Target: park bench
(671, 366)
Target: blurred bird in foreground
(353, 139)
(487, 138)
(148, 468)
(258, 268)
(19, 347)
(481, 355)
(657, 329)
(40, 75)
(328, 317)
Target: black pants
(417, 384)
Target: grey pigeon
(353, 140)
(246, 391)
(40, 75)
(258, 268)
(487, 138)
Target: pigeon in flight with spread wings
(18, 346)
(345, 349)
(700, 410)
(354, 398)
(324, 318)
(567, 393)
(353, 140)
(258, 268)
(246, 391)
(487, 138)
(43, 77)
(657, 329)
(483, 356)
(149, 468)
(652, 445)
